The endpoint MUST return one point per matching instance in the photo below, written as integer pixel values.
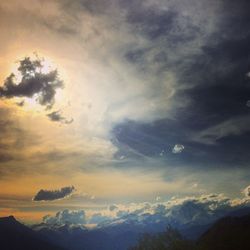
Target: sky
(109, 102)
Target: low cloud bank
(66, 217)
(200, 210)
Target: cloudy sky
(117, 102)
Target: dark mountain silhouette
(239, 212)
(16, 236)
(83, 239)
(124, 235)
(229, 233)
(194, 232)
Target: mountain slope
(229, 233)
(15, 236)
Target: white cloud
(178, 148)
(248, 103)
(246, 191)
(202, 209)
(158, 198)
(66, 217)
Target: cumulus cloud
(66, 217)
(56, 116)
(160, 209)
(50, 195)
(113, 207)
(202, 209)
(247, 191)
(98, 218)
(197, 210)
(33, 82)
(178, 148)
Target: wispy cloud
(234, 126)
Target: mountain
(16, 236)
(240, 212)
(120, 234)
(79, 238)
(229, 233)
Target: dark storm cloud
(211, 149)
(56, 116)
(149, 139)
(214, 125)
(221, 88)
(219, 72)
(173, 35)
(187, 46)
(134, 142)
(51, 195)
(153, 23)
(33, 82)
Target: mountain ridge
(16, 236)
(228, 233)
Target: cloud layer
(200, 210)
